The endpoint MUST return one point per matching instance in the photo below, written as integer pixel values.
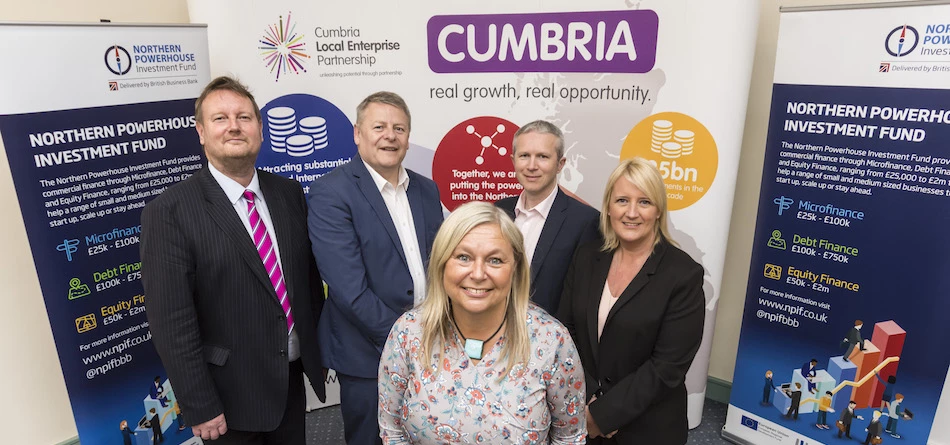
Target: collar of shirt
(381, 182)
(543, 207)
(232, 189)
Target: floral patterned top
(467, 403)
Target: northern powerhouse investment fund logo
(151, 65)
(283, 49)
(118, 60)
(594, 41)
(901, 41)
(928, 44)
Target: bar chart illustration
(859, 378)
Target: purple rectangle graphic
(591, 42)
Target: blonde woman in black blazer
(634, 306)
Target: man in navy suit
(553, 223)
(372, 223)
(156, 392)
(809, 373)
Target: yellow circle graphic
(682, 149)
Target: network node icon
(487, 141)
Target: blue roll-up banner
(847, 294)
(92, 137)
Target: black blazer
(213, 313)
(638, 368)
(569, 224)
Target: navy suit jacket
(569, 224)
(153, 391)
(362, 261)
(212, 310)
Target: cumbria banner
(620, 78)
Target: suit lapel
(642, 278)
(598, 280)
(509, 209)
(414, 194)
(552, 225)
(222, 213)
(368, 188)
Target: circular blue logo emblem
(901, 41)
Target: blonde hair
(644, 176)
(435, 310)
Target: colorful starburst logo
(282, 49)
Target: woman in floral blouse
(475, 362)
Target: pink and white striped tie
(265, 248)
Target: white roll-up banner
(608, 73)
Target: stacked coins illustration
(685, 138)
(316, 127)
(282, 123)
(671, 150)
(297, 139)
(669, 143)
(300, 145)
(662, 133)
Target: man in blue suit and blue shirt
(372, 223)
(553, 223)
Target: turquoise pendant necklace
(473, 347)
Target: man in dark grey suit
(231, 289)
(853, 339)
(553, 223)
(847, 418)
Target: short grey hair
(542, 127)
(383, 97)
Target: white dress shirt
(531, 221)
(397, 202)
(235, 194)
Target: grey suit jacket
(213, 313)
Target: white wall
(35, 407)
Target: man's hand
(211, 429)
